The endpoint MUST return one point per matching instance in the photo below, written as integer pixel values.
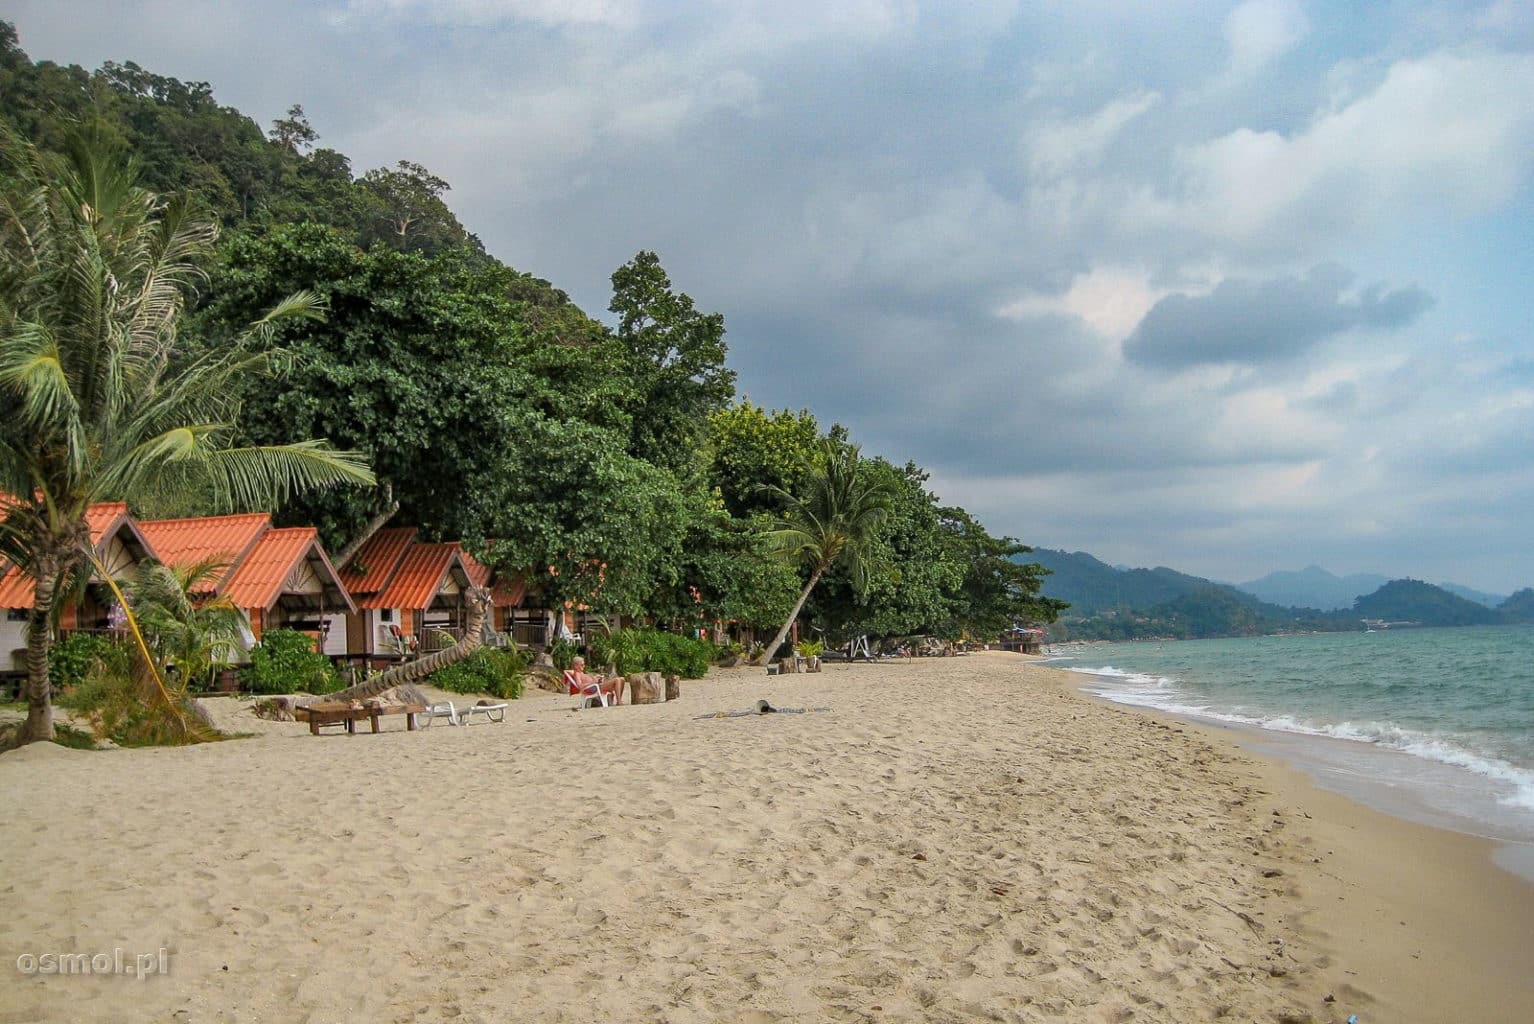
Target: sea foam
(1163, 693)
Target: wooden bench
(320, 715)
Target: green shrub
(809, 648)
(71, 660)
(487, 670)
(286, 662)
(66, 735)
(653, 650)
(563, 652)
(130, 712)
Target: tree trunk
(39, 725)
(417, 671)
(777, 641)
(49, 569)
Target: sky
(1229, 287)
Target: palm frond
(264, 477)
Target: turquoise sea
(1432, 724)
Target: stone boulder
(673, 687)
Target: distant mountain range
(1314, 587)
(1115, 603)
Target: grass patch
(66, 735)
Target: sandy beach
(952, 840)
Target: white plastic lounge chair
(441, 709)
(462, 716)
(587, 692)
(492, 712)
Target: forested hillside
(1093, 586)
(1424, 604)
(613, 466)
(1519, 607)
(1108, 603)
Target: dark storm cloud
(1244, 321)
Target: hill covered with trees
(615, 467)
(1519, 607)
(1109, 603)
(1423, 604)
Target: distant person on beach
(578, 679)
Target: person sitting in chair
(578, 679)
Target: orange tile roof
(181, 542)
(420, 576)
(507, 591)
(380, 556)
(105, 519)
(258, 578)
(17, 589)
(104, 515)
(479, 572)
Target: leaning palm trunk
(788, 623)
(417, 671)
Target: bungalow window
(386, 615)
(16, 615)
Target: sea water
(1436, 725)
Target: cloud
(1259, 31)
(1447, 133)
(1058, 146)
(1083, 263)
(1110, 300)
(481, 13)
(1253, 322)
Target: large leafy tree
(409, 212)
(757, 456)
(998, 589)
(836, 520)
(678, 362)
(102, 401)
(414, 364)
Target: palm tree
(184, 622)
(101, 402)
(836, 520)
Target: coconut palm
(188, 627)
(837, 519)
(100, 400)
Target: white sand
(956, 839)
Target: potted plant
(810, 651)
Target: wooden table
(321, 715)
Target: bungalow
(119, 545)
(410, 594)
(280, 578)
(506, 594)
(375, 629)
